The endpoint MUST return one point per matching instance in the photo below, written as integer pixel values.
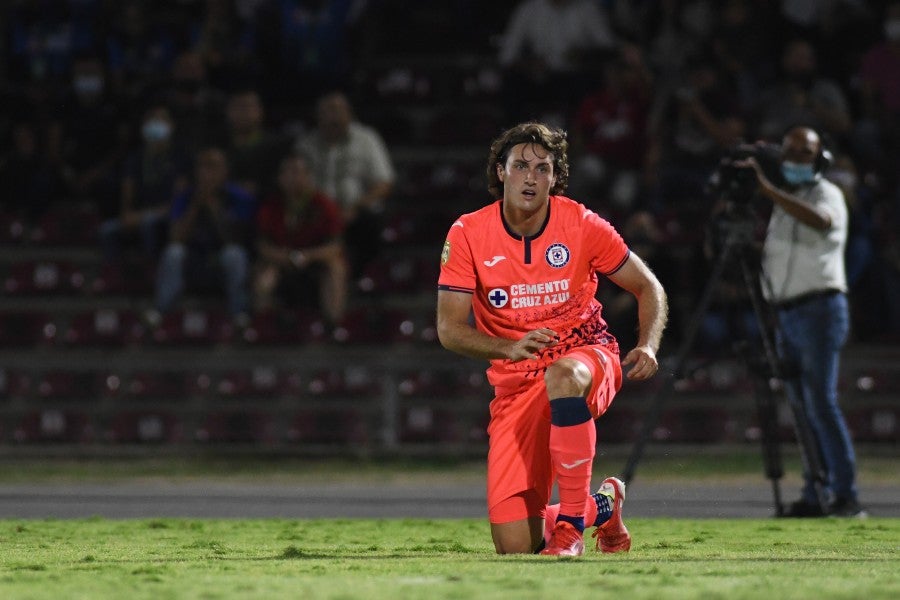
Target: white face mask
(892, 30)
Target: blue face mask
(797, 173)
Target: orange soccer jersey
(524, 283)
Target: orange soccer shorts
(520, 474)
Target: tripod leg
(809, 447)
(677, 370)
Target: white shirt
(798, 259)
(549, 31)
(347, 169)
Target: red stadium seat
(193, 327)
(64, 385)
(426, 424)
(257, 383)
(367, 325)
(104, 327)
(277, 327)
(349, 383)
(43, 277)
(156, 386)
(236, 427)
(26, 329)
(132, 279)
(54, 425)
(145, 426)
(328, 426)
(70, 225)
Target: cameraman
(804, 278)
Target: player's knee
(567, 377)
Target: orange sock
(573, 438)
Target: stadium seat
(193, 327)
(426, 424)
(157, 386)
(12, 229)
(104, 327)
(278, 327)
(328, 426)
(144, 426)
(21, 329)
(695, 425)
(43, 277)
(236, 427)
(369, 325)
(64, 385)
(54, 425)
(132, 279)
(70, 225)
(874, 424)
(352, 383)
(258, 383)
(620, 425)
(445, 383)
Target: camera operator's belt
(807, 297)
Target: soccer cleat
(613, 536)
(565, 541)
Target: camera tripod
(763, 364)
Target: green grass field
(415, 558)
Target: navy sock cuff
(565, 412)
(577, 522)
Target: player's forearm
(653, 314)
(470, 342)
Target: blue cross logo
(498, 297)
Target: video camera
(737, 184)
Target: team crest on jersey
(498, 297)
(445, 253)
(557, 255)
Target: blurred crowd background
(283, 172)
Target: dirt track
(216, 499)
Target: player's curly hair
(553, 140)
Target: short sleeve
(606, 247)
(457, 267)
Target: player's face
(527, 177)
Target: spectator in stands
(300, 252)
(690, 127)
(609, 133)
(43, 40)
(877, 134)
(152, 176)
(351, 164)
(224, 41)
(306, 48)
(253, 151)
(802, 96)
(210, 230)
(29, 182)
(197, 107)
(743, 48)
(546, 46)
(94, 137)
(140, 49)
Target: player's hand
(644, 360)
(531, 343)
